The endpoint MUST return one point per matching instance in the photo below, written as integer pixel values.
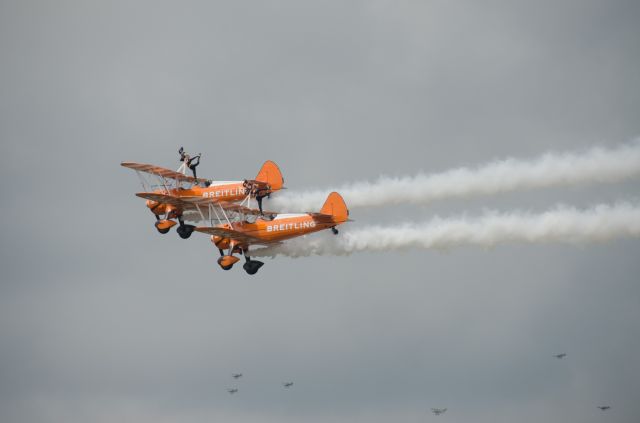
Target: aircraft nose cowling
(156, 207)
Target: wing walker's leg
(259, 200)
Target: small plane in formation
(604, 407)
(239, 236)
(287, 384)
(237, 375)
(233, 224)
(232, 390)
(560, 356)
(174, 194)
(438, 411)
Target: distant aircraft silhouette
(438, 411)
(232, 391)
(287, 384)
(560, 356)
(237, 375)
(604, 407)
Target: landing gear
(184, 230)
(334, 230)
(251, 266)
(227, 262)
(164, 225)
(162, 231)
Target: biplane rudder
(270, 173)
(335, 206)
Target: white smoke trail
(562, 225)
(552, 169)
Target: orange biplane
(178, 196)
(239, 236)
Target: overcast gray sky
(102, 319)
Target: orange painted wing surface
(228, 233)
(162, 198)
(193, 203)
(160, 171)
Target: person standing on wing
(192, 162)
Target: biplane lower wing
(199, 204)
(162, 198)
(235, 235)
(162, 172)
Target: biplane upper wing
(161, 171)
(199, 203)
(236, 235)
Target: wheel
(227, 262)
(162, 230)
(249, 270)
(185, 231)
(252, 266)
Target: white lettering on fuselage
(224, 192)
(291, 226)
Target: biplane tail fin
(270, 173)
(335, 207)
